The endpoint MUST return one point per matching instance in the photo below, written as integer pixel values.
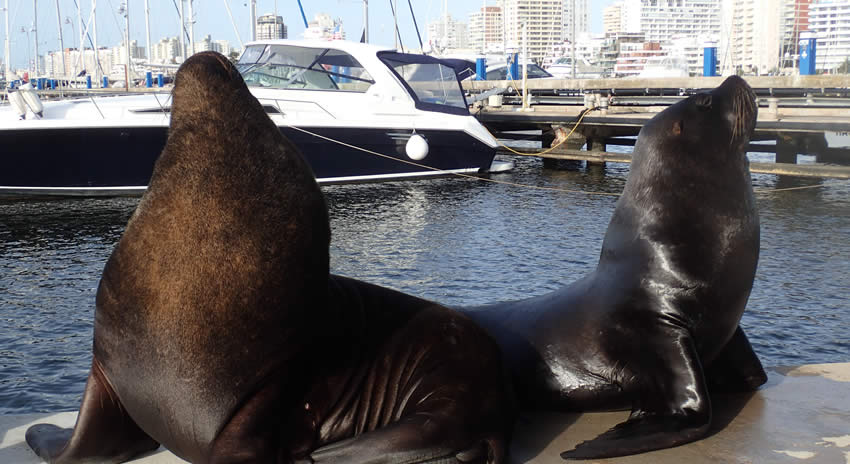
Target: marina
(808, 115)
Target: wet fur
(220, 334)
(675, 272)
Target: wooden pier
(807, 115)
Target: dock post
(88, 82)
(786, 151)
(480, 69)
(148, 79)
(596, 145)
(159, 80)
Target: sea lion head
(708, 125)
(208, 84)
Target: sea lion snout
(742, 107)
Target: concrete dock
(802, 415)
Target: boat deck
(801, 415)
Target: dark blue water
(457, 241)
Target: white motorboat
(358, 112)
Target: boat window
(432, 82)
(291, 67)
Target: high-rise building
(750, 41)
(166, 50)
(487, 29)
(447, 33)
(662, 20)
(830, 21)
(580, 17)
(611, 18)
(795, 20)
(544, 23)
(270, 27)
(324, 27)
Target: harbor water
(456, 241)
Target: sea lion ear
(678, 127)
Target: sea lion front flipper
(737, 368)
(671, 405)
(103, 432)
(415, 440)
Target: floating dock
(801, 415)
(807, 115)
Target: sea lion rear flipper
(103, 432)
(671, 405)
(414, 440)
(737, 368)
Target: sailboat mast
(253, 20)
(94, 45)
(61, 42)
(148, 51)
(191, 28)
(35, 32)
(182, 33)
(395, 24)
(7, 55)
(365, 20)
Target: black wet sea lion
(220, 334)
(655, 325)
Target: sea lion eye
(703, 102)
(678, 127)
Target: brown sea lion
(655, 326)
(220, 334)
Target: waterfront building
(543, 20)
(830, 21)
(661, 20)
(222, 46)
(794, 21)
(750, 42)
(166, 51)
(325, 28)
(581, 16)
(612, 18)
(446, 33)
(271, 27)
(633, 56)
(487, 29)
(75, 62)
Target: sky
(211, 18)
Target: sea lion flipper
(103, 432)
(737, 368)
(671, 407)
(416, 440)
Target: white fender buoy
(17, 102)
(417, 147)
(32, 100)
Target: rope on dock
(458, 174)
(553, 147)
(512, 184)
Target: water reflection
(457, 241)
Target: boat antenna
(398, 33)
(303, 16)
(416, 25)
(6, 56)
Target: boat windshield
(292, 67)
(433, 82)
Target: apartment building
(543, 20)
(75, 62)
(794, 21)
(661, 20)
(830, 21)
(581, 17)
(487, 29)
(611, 18)
(750, 42)
(271, 27)
(446, 33)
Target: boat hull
(109, 161)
